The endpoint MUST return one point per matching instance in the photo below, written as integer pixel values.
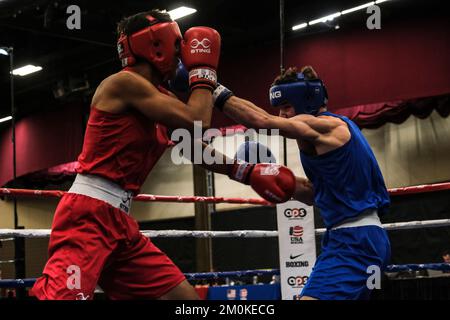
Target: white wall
(414, 152)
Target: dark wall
(420, 245)
(408, 246)
(240, 254)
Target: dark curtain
(43, 141)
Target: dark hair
(445, 253)
(290, 75)
(138, 21)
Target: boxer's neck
(323, 109)
(148, 72)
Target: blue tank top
(346, 180)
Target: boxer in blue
(347, 184)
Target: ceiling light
(363, 6)
(23, 71)
(325, 19)
(299, 26)
(181, 12)
(5, 119)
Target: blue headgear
(306, 96)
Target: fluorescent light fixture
(5, 119)
(299, 26)
(23, 71)
(181, 12)
(326, 18)
(4, 52)
(337, 14)
(363, 6)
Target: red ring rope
(140, 197)
(151, 198)
(420, 189)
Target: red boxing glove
(200, 51)
(273, 182)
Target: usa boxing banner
(297, 243)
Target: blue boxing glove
(220, 95)
(254, 152)
(180, 82)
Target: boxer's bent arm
(219, 166)
(164, 109)
(304, 191)
(239, 110)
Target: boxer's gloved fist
(273, 182)
(220, 95)
(200, 51)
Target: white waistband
(365, 219)
(102, 189)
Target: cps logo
(298, 281)
(296, 213)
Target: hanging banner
(297, 243)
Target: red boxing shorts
(94, 243)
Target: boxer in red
(94, 240)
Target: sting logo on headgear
(156, 43)
(306, 96)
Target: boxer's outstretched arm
(251, 116)
(304, 191)
(222, 166)
(277, 187)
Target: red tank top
(122, 147)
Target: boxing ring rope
(44, 233)
(187, 199)
(140, 197)
(28, 282)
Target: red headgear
(156, 44)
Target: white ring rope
(44, 233)
(210, 234)
(7, 261)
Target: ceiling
(71, 58)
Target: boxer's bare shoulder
(111, 95)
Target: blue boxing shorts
(341, 271)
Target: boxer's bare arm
(323, 130)
(303, 187)
(304, 191)
(239, 110)
(131, 90)
(252, 106)
(219, 165)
